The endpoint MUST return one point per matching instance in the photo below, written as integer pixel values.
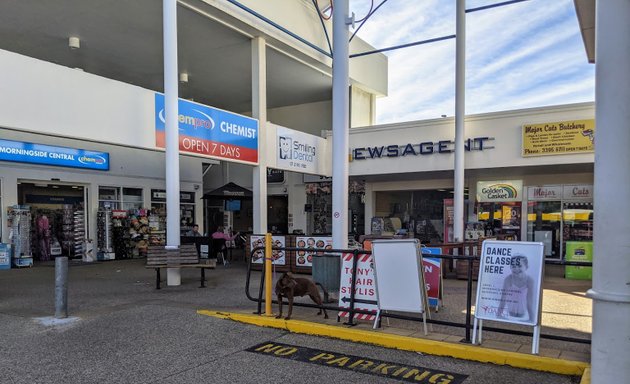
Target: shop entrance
(58, 225)
(278, 214)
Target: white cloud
(522, 55)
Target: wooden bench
(186, 256)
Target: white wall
(47, 98)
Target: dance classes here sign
(209, 131)
(510, 282)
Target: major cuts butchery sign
(509, 285)
(209, 131)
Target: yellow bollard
(268, 277)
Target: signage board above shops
(211, 132)
(299, 152)
(23, 152)
(417, 149)
(275, 175)
(499, 191)
(159, 195)
(560, 192)
(559, 138)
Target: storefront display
(557, 214)
(304, 258)
(499, 208)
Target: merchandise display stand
(20, 235)
(104, 236)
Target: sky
(523, 55)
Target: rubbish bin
(327, 272)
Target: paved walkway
(100, 290)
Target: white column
(460, 114)
(173, 276)
(340, 124)
(259, 111)
(610, 350)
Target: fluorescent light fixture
(183, 77)
(74, 42)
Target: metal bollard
(61, 287)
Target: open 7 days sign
(209, 131)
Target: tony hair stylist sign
(510, 281)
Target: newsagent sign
(510, 282)
(204, 130)
(559, 138)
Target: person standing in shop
(194, 232)
(43, 234)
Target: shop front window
(543, 224)
(414, 213)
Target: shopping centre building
(82, 138)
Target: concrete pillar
(259, 111)
(610, 350)
(460, 114)
(340, 125)
(173, 275)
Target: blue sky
(523, 55)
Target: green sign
(579, 251)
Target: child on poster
(517, 302)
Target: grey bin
(327, 272)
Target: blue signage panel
(50, 155)
(210, 131)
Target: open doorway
(278, 214)
(58, 224)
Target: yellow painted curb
(586, 376)
(431, 347)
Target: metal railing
(467, 324)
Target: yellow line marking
(430, 347)
(586, 377)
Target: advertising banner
(364, 291)
(579, 251)
(300, 152)
(211, 132)
(305, 258)
(433, 275)
(564, 137)
(278, 257)
(499, 191)
(510, 282)
(22, 152)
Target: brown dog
(289, 287)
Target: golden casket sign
(564, 137)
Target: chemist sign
(209, 131)
(510, 282)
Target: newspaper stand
(509, 288)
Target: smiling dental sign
(50, 155)
(209, 131)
